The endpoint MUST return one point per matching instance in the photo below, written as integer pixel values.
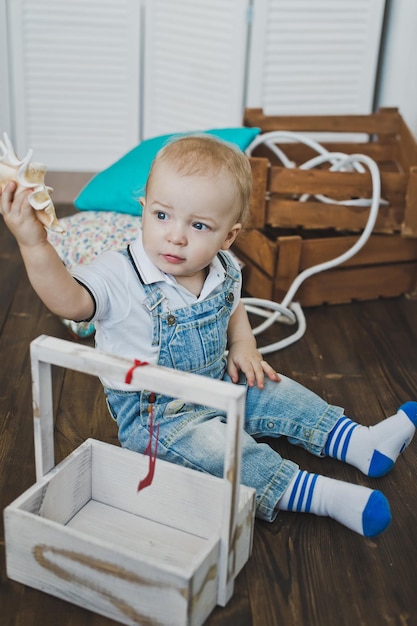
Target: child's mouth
(171, 258)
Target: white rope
(287, 311)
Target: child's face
(187, 220)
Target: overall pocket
(198, 344)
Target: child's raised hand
(20, 217)
(246, 358)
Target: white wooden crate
(166, 555)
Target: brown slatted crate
(387, 140)
(288, 236)
(385, 267)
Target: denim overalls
(193, 339)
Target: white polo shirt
(123, 324)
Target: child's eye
(200, 226)
(161, 215)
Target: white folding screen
(194, 62)
(314, 56)
(5, 118)
(88, 79)
(75, 67)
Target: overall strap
(232, 273)
(154, 295)
(153, 300)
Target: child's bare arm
(59, 291)
(243, 353)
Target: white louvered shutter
(5, 119)
(75, 80)
(195, 56)
(314, 57)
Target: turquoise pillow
(119, 187)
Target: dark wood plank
(10, 270)
(361, 356)
(304, 569)
(384, 121)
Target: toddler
(173, 298)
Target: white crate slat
(188, 387)
(138, 534)
(187, 535)
(47, 351)
(99, 576)
(196, 510)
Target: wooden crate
(386, 266)
(387, 140)
(166, 555)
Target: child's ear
(231, 236)
(142, 201)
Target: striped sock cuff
(302, 492)
(338, 440)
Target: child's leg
(287, 408)
(195, 437)
(361, 509)
(199, 443)
(373, 450)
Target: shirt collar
(152, 274)
(148, 271)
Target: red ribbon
(136, 363)
(145, 482)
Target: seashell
(29, 176)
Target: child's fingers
(260, 369)
(247, 367)
(9, 189)
(270, 372)
(15, 201)
(9, 197)
(6, 195)
(19, 216)
(232, 371)
(254, 368)
(255, 374)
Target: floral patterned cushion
(89, 233)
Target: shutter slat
(195, 59)
(76, 87)
(314, 57)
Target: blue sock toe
(410, 409)
(380, 465)
(376, 516)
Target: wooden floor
(304, 570)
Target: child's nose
(177, 235)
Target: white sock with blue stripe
(373, 449)
(363, 510)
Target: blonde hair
(200, 154)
